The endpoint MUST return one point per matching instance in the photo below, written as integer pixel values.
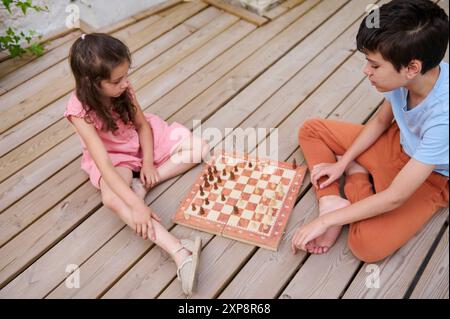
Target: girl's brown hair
(92, 59)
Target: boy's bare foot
(323, 243)
(328, 204)
(138, 188)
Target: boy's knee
(364, 246)
(307, 127)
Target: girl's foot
(187, 258)
(138, 188)
(323, 243)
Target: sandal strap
(187, 260)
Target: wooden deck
(193, 61)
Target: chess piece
(214, 169)
(219, 180)
(201, 191)
(236, 168)
(211, 177)
(224, 172)
(193, 207)
(206, 184)
(209, 170)
(215, 186)
(250, 164)
(202, 211)
(235, 210)
(222, 197)
(231, 176)
(206, 201)
(205, 177)
(294, 164)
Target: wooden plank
(237, 11)
(117, 291)
(398, 271)
(268, 273)
(282, 8)
(29, 208)
(155, 206)
(433, 283)
(36, 281)
(30, 150)
(140, 16)
(95, 289)
(19, 253)
(32, 96)
(212, 72)
(105, 236)
(21, 155)
(38, 171)
(41, 120)
(243, 74)
(157, 66)
(29, 70)
(170, 79)
(233, 34)
(271, 280)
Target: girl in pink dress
(120, 141)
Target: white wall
(97, 13)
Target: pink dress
(123, 145)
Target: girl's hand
(332, 170)
(132, 94)
(149, 175)
(142, 221)
(306, 233)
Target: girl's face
(383, 75)
(118, 82)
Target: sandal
(187, 272)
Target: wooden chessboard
(242, 197)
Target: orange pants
(374, 238)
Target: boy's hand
(306, 233)
(149, 175)
(332, 170)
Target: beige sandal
(187, 272)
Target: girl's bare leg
(189, 153)
(164, 239)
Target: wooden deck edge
(241, 13)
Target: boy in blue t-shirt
(405, 147)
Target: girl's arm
(140, 211)
(149, 175)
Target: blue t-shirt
(424, 129)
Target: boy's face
(383, 75)
(118, 82)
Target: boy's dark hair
(92, 59)
(408, 30)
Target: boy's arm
(407, 181)
(371, 132)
